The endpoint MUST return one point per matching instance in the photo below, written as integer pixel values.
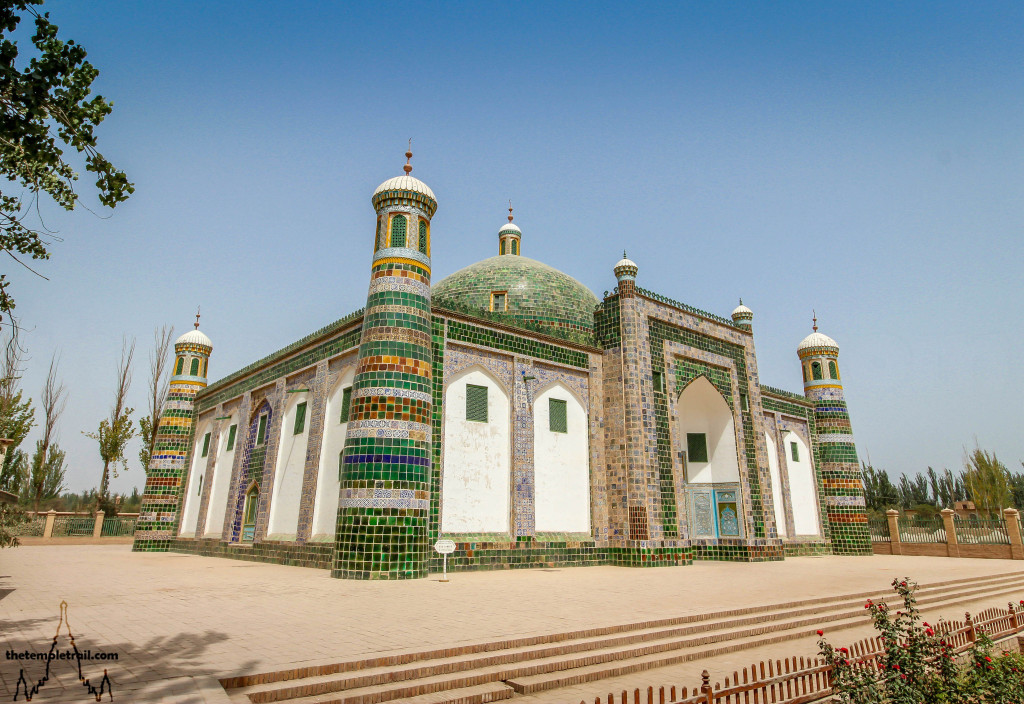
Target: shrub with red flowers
(919, 666)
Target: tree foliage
(988, 481)
(16, 418)
(115, 432)
(45, 108)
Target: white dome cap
(818, 340)
(510, 227)
(626, 262)
(405, 182)
(194, 337)
(742, 310)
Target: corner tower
(743, 317)
(837, 454)
(159, 513)
(383, 508)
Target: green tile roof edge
(789, 395)
(512, 324)
(336, 326)
(689, 309)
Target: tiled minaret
(743, 317)
(383, 509)
(161, 500)
(837, 455)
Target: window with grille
(300, 418)
(398, 231)
(503, 246)
(261, 430)
(181, 366)
(346, 404)
(423, 237)
(833, 370)
(515, 247)
(656, 380)
(794, 451)
(376, 241)
(743, 403)
(557, 421)
(206, 445)
(195, 367)
(231, 437)
(697, 447)
(476, 403)
(200, 492)
(816, 371)
(499, 301)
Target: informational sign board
(445, 547)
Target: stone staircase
(485, 672)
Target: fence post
(705, 686)
(51, 516)
(952, 546)
(1012, 520)
(893, 516)
(97, 528)
(972, 632)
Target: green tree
(46, 108)
(987, 481)
(10, 518)
(115, 432)
(16, 418)
(158, 384)
(45, 478)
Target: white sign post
(445, 547)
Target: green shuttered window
(697, 447)
(557, 420)
(231, 437)
(398, 231)
(833, 370)
(261, 431)
(206, 445)
(181, 366)
(195, 366)
(300, 418)
(816, 371)
(794, 451)
(476, 403)
(423, 237)
(346, 405)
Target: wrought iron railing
(117, 526)
(70, 526)
(879, 528)
(984, 531)
(922, 530)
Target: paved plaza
(177, 622)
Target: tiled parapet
(842, 486)
(161, 499)
(384, 504)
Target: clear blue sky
(862, 159)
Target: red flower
(843, 650)
(821, 633)
(988, 659)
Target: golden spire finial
(197, 318)
(510, 210)
(408, 158)
(815, 320)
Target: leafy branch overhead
(45, 108)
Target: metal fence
(879, 529)
(984, 531)
(117, 526)
(922, 530)
(69, 526)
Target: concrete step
(555, 660)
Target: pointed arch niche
(703, 411)
(197, 470)
(777, 494)
(561, 461)
(476, 475)
(220, 485)
(328, 476)
(802, 485)
(290, 468)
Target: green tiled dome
(536, 292)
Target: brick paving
(179, 621)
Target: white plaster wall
(802, 489)
(221, 483)
(325, 508)
(291, 463)
(190, 516)
(561, 468)
(702, 409)
(777, 500)
(475, 484)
